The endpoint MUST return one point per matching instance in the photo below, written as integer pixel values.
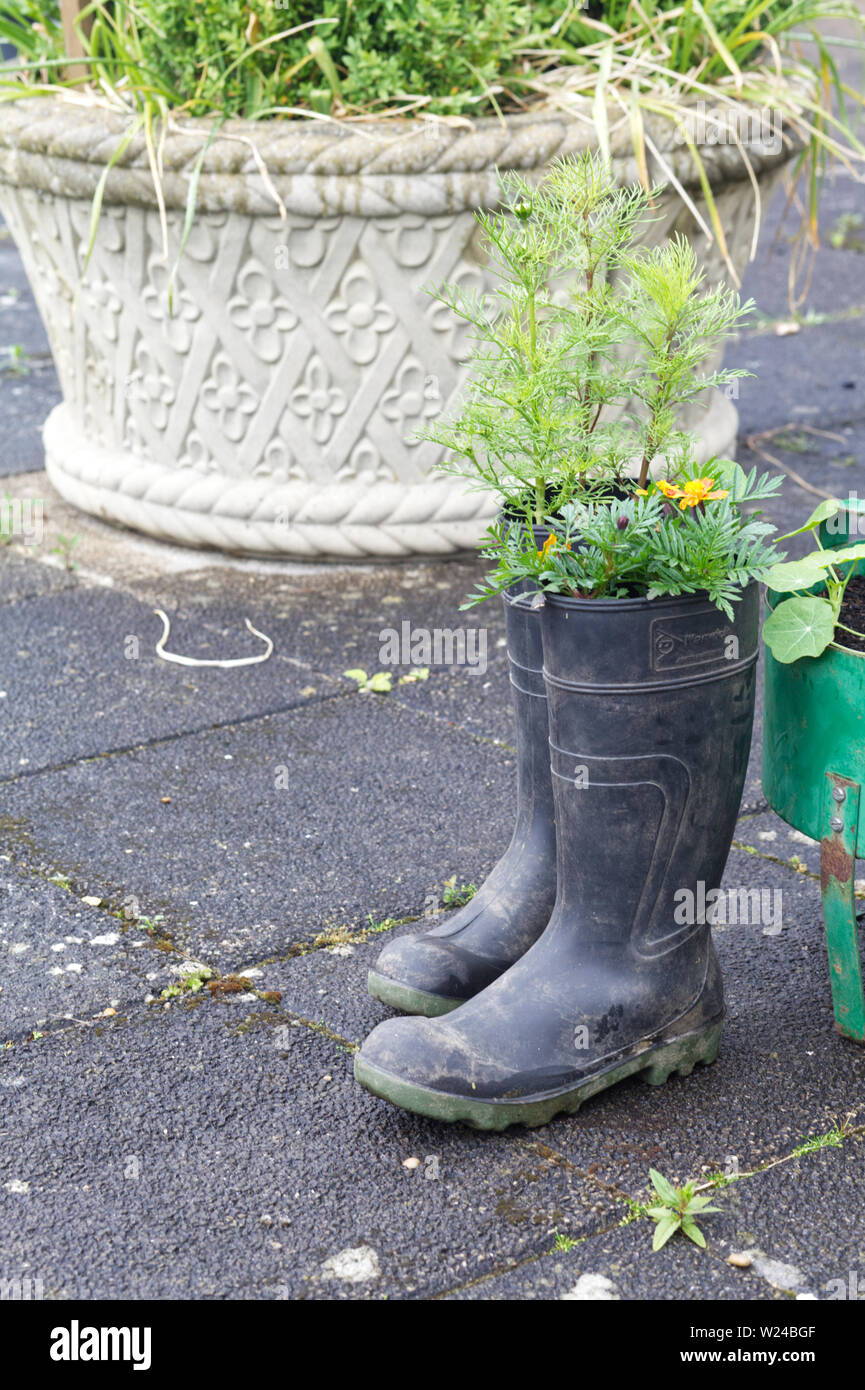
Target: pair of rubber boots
(578, 962)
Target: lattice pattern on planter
(298, 350)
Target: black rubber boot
(651, 706)
(435, 971)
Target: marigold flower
(697, 490)
(550, 544)
(694, 492)
(668, 489)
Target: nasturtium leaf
(843, 554)
(822, 512)
(799, 627)
(789, 575)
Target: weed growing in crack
(677, 1211)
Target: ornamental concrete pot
(272, 411)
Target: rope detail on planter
(322, 166)
(348, 520)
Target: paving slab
(837, 279)
(816, 376)
(20, 321)
(801, 1258)
(347, 623)
(62, 959)
(23, 576)
(277, 827)
(82, 677)
(620, 1265)
(210, 1154)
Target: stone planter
(272, 412)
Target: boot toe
(434, 967)
(417, 1051)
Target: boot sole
(654, 1065)
(407, 1000)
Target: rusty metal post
(837, 880)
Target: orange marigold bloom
(697, 490)
(668, 489)
(550, 544)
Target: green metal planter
(813, 772)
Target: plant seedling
(379, 684)
(457, 897)
(677, 1211)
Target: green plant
(645, 545)
(17, 363)
(547, 413)
(452, 896)
(677, 1211)
(565, 1243)
(631, 63)
(379, 684)
(532, 425)
(151, 924)
(192, 983)
(805, 624)
(64, 548)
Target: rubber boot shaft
(434, 971)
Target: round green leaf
(799, 627)
(796, 574)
